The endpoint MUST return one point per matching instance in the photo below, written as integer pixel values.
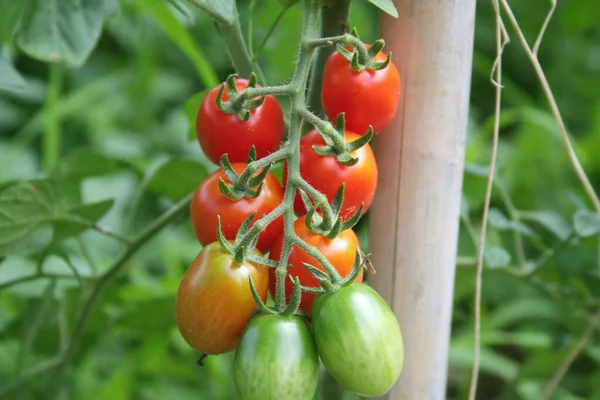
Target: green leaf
(496, 257)
(223, 11)
(550, 220)
(31, 212)
(498, 220)
(386, 6)
(586, 223)
(10, 79)
(176, 178)
(63, 31)
(10, 12)
(191, 107)
(86, 162)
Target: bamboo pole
(414, 220)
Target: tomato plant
(358, 339)
(214, 301)
(368, 97)
(327, 174)
(340, 251)
(208, 203)
(276, 359)
(221, 133)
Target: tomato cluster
(220, 303)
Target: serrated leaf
(191, 107)
(176, 178)
(386, 6)
(10, 12)
(586, 223)
(496, 257)
(30, 213)
(10, 79)
(63, 31)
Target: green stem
(237, 49)
(317, 255)
(51, 119)
(334, 18)
(158, 225)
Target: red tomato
(367, 97)
(214, 301)
(340, 251)
(326, 175)
(220, 133)
(208, 202)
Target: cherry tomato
(276, 359)
(219, 133)
(208, 202)
(214, 301)
(326, 174)
(368, 97)
(340, 251)
(358, 339)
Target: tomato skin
(367, 97)
(208, 202)
(340, 251)
(219, 132)
(358, 339)
(326, 175)
(214, 300)
(276, 359)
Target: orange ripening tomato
(219, 133)
(326, 175)
(208, 203)
(340, 251)
(214, 301)
(367, 97)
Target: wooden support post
(414, 220)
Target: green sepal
(251, 155)
(376, 66)
(305, 199)
(253, 242)
(262, 307)
(375, 48)
(228, 191)
(336, 204)
(346, 159)
(355, 271)
(353, 220)
(313, 290)
(295, 299)
(340, 123)
(254, 103)
(316, 272)
(258, 179)
(253, 80)
(355, 63)
(221, 237)
(361, 141)
(355, 33)
(245, 226)
(228, 168)
(267, 262)
(239, 255)
(324, 150)
(335, 229)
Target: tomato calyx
(334, 137)
(331, 224)
(362, 56)
(238, 103)
(329, 285)
(245, 184)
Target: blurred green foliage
(117, 128)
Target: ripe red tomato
(208, 202)
(367, 97)
(340, 251)
(214, 300)
(220, 133)
(326, 174)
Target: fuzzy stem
(333, 22)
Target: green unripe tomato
(276, 359)
(358, 339)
